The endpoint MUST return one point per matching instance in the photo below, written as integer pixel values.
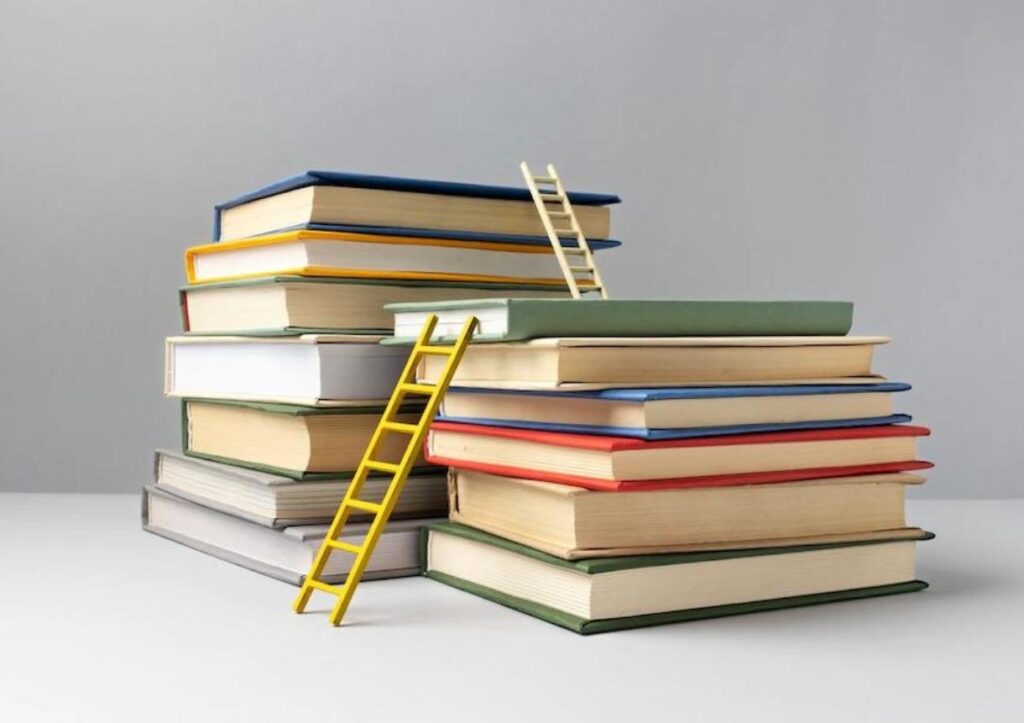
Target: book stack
(616, 464)
(279, 371)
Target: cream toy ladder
(552, 201)
(399, 470)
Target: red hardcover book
(609, 445)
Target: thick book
(581, 363)
(285, 554)
(575, 523)
(309, 370)
(273, 500)
(386, 202)
(287, 305)
(519, 319)
(350, 255)
(679, 412)
(294, 441)
(616, 593)
(602, 462)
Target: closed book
(273, 500)
(518, 319)
(295, 441)
(285, 554)
(678, 412)
(353, 255)
(384, 202)
(309, 370)
(617, 593)
(602, 462)
(586, 363)
(288, 305)
(575, 523)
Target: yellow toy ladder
(399, 471)
(554, 194)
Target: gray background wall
(849, 150)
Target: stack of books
(616, 464)
(280, 374)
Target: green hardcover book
(301, 443)
(287, 305)
(519, 319)
(615, 593)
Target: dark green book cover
(539, 318)
(296, 411)
(610, 564)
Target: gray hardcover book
(285, 554)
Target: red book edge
(612, 444)
(726, 480)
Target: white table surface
(100, 621)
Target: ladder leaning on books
(407, 385)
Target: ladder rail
(415, 437)
(542, 199)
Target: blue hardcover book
(679, 413)
(591, 209)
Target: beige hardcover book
(575, 523)
(283, 303)
(376, 207)
(570, 363)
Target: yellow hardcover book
(306, 252)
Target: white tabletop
(100, 621)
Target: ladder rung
(332, 589)
(545, 179)
(363, 505)
(381, 466)
(565, 232)
(552, 197)
(344, 546)
(434, 349)
(559, 214)
(400, 427)
(427, 389)
(573, 250)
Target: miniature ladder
(381, 511)
(554, 194)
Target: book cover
(595, 566)
(538, 318)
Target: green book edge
(597, 565)
(590, 627)
(536, 318)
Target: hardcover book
(575, 523)
(289, 305)
(580, 363)
(352, 255)
(285, 554)
(616, 593)
(601, 462)
(274, 500)
(290, 440)
(470, 210)
(309, 370)
(519, 319)
(680, 412)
